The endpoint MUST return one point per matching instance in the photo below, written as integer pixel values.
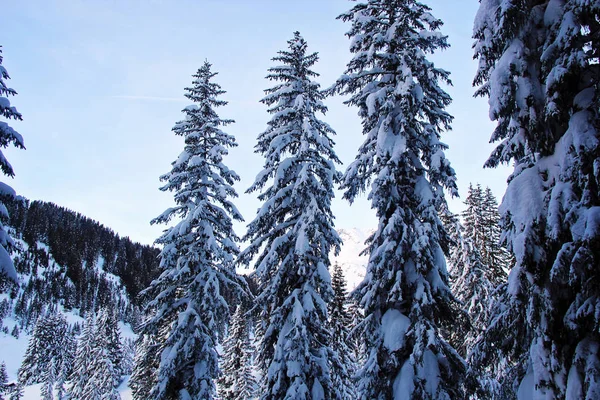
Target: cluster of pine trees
(516, 323)
(424, 334)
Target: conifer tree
(538, 64)
(145, 364)
(469, 283)
(7, 136)
(293, 232)
(108, 328)
(17, 392)
(238, 381)
(48, 379)
(46, 343)
(497, 258)
(340, 321)
(80, 375)
(3, 381)
(401, 164)
(198, 252)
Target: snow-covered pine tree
(198, 252)
(17, 392)
(538, 64)
(238, 381)
(293, 232)
(145, 364)
(405, 294)
(496, 257)
(482, 227)
(65, 368)
(7, 136)
(80, 375)
(46, 343)
(102, 383)
(340, 321)
(469, 283)
(48, 379)
(3, 381)
(473, 218)
(107, 326)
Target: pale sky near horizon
(101, 84)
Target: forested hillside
(63, 257)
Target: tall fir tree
(48, 380)
(47, 343)
(80, 375)
(341, 322)
(198, 252)
(3, 381)
(405, 294)
(538, 64)
(469, 283)
(238, 381)
(496, 257)
(293, 232)
(145, 364)
(8, 136)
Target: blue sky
(101, 83)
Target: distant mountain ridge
(353, 264)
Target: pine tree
(538, 64)
(17, 392)
(340, 321)
(107, 326)
(469, 283)
(49, 377)
(497, 258)
(3, 381)
(65, 368)
(7, 136)
(401, 164)
(80, 375)
(198, 252)
(46, 343)
(293, 232)
(145, 362)
(237, 381)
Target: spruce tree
(498, 260)
(46, 343)
(469, 283)
(143, 377)
(198, 252)
(17, 392)
(48, 379)
(80, 375)
(8, 136)
(401, 164)
(238, 381)
(293, 232)
(340, 321)
(3, 381)
(107, 326)
(538, 64)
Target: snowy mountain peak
(353, 264)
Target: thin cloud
(151, 98)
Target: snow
(404, 384)
(394, 326)
(353, 264)
(525, 391)
(12, 350)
